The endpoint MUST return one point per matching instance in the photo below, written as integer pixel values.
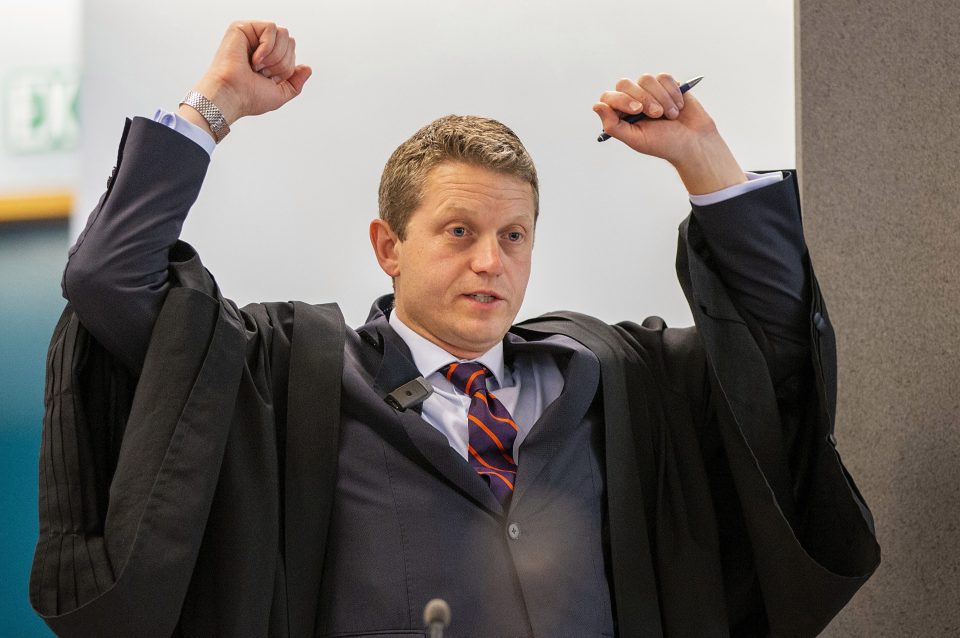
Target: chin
(475, 342)
(490, 341)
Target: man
(276, 474)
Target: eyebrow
(454, 209)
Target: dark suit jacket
(729, 512)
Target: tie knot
(467, 377)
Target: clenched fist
(253, 71)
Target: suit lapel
(629, 466)
(581, 375)
(395, 368)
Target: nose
(487, 257)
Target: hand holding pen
(655, 115)
(673, 113)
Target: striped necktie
(491, 428)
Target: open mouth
(482, 298)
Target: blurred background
(860, 96)
(40, 62)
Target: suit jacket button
(513, 531)
(819, 321)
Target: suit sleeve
(754, 242)
(116, 277)
(784, 503)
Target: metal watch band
(209, 111)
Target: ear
(386, 246)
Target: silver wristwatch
(209, 111)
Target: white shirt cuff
(754, 181)
(187, 129)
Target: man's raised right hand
(253, 71)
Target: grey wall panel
(879, 147)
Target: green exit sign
(40, 110)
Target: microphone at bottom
(436, 616)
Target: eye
(514, 236)
(458, 231)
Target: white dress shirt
(539, 377)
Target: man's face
(461, 272)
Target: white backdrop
(285, 207)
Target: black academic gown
(728, 508)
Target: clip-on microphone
(410, 394)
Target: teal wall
(32, 256)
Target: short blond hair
(478, 141)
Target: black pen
(630, 119)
